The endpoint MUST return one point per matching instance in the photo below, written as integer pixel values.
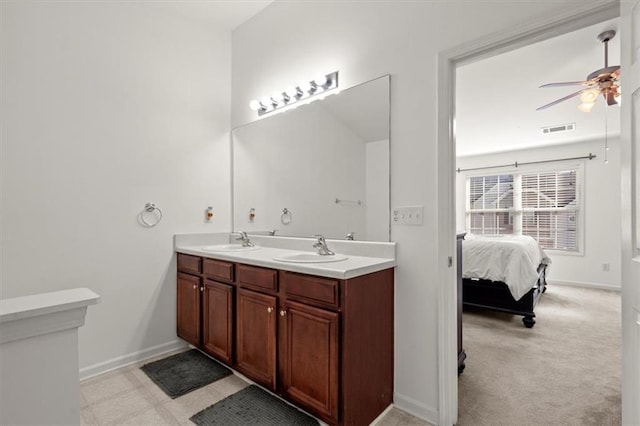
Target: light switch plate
(407, 215)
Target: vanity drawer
(218, 269)
(189, 264)
(309, 289)
(257, 278)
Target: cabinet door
(217, 320)
(188, 308)
(256, 336)
(310, 358)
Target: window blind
(491, 204)
(543, 205)
(550, 207)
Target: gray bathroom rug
(184, 372)
(252, 406)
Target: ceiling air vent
(559, 128)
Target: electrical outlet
(409, 215)
(606, 267)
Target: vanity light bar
(305, 90)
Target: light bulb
(255, 105)
(278, 97)
(320, 80)
(305, 86)
(618, 96)
(293, 93)
(266, 102)
(586, 106)
(589, 96)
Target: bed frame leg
(528, 321)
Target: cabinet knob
(195, 286)
(201, 288)
(269, 309)
(283, 313)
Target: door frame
(575, 17)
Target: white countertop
(353, 266)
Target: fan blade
(557, 101)
(569, 83)
(609, 96)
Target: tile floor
(128, 397)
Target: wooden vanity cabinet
(256, 323)
(336, 345)
(256, 336)
(309, 343)
(188, 309)
(205, 305)
(310, 358)
(324, 344)
(218, 320)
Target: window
(491, 204)
(549, 209)
(543, 205)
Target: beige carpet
(564, 371)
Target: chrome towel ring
(151, 215)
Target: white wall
(601, 192)
(290, 41)
(107, 106)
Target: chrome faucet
(350, 236)
(321, 245)
(246, 242)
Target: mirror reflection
(320, 168)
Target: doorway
(542, 29)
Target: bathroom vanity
(318, 334)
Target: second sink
(304, 257)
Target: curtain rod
(516, 164)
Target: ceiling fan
(603, 81)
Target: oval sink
(310, 258)
(229, 247)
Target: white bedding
(512, 259)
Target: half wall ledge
(39, 362)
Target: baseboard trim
(585, 285)
(415, 408)
(128, 359)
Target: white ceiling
(222, 13)
(496, 98)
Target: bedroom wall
(290, 41)
(106, 106)
(601, 191)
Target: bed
(504, 273)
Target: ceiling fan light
(589, 96)
(586, 106)
(618, 96)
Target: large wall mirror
(320, 168)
